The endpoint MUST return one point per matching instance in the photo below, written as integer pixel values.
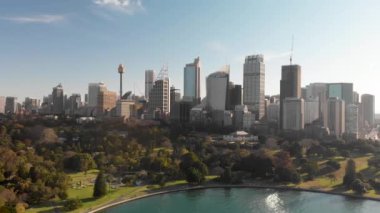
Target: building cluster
(334, 107)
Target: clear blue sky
(74, 42)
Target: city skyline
(48, 36)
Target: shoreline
(229, 186)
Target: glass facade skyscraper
(254, 85)
(192, 81)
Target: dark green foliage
(312, 169)
(334, 164)
(284, 169)
(194, 170)
(287, 174)
(374, 161)
(226, 176)
(259, 163)
(80, 162)
(358, 186)
(100, 187)
(72, 204)
(350, 174)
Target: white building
(217, 89)
(293, 113)
(125, 108)
(150, 78)
(94, 90)
(254, 85)
(336, 116)
(352, 115)
(311, 110)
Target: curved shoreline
(221, 186)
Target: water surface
(246, 201)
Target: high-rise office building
(10, 105)
(2, 105)
(191, 80)
(74, 103)
(336, 116)
(273, 112)
(293, 113)
(234, 95)
(311, 110)
(31, 105)
(254, 85)
(58, 100)
(93, 93)
(342, 91)
(355, 97)
(106, 102)
(290, 86)
(368, 102)
(150, 78)
(217, 89)
(175, 96)
(319, 91)
(352, 118)
(159, 99)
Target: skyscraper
(293, 113)
(254, 85)
(106, 102)
(336, 116)
(290, 86)
(234, 95)
(368, 102)
(150, 78)
(93, 93)
(58, 100)
(311, 110)
(319, 91)
(342, 91)
(31, 105)
(192, 85)
(10, 105)
(352, 116)
(217, 89)
(159, 99)
(74, 103)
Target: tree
(350, 175)
(312, 169)
(100, 187)
(72, 204)
(226, 176)
(358, 186)
(193, 169)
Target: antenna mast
(291, 52)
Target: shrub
(334, 164)
(358, 186)
(72, 204)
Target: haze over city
(44, 42)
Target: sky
(75, 42)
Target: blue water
(246, 201)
